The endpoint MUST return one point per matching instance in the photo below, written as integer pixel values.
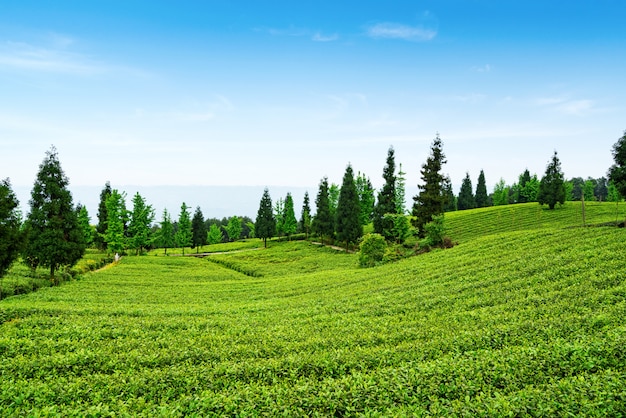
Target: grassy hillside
(512, 321)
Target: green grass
(510, 322)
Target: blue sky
(149, 93)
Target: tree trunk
(52, 278)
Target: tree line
(55, 233)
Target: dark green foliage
(54, 236)
(83, 221)
(11, 238)
(166, 235)
(198, 230)
(103, 217)
(372, 250)
(466, 198)
(601, 190)
(233, 229)
(435, 231)
(386, 202)
(265, 225)
(400, 230)
(305, 220)
(323, 224)
(617, 172)
(448, 193)
(139, 228)
(430, 200)
(183, 233)
(290, 224)
(482, 197)
(365, 190)
(552, 187)
(116, 213)
(348, 226)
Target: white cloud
(567, 106)
(23, 56)
(389, 30)
(482, 69)
(318, 37)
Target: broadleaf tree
(54, 236)
(430, 200)
(617, 172)
(233, 229)
(348, 225)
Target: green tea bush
(372, 250)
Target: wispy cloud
(567, 106)
(319, 37)
(482, 68)
(389, 30)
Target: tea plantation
(524, 317)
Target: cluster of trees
(56, 233)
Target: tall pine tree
(198, 230)
(139, 227)
(552, 184)
(482, 198)
(265, 226)
(323, 224)
(290, 224)
(348, 226)
(55, 238)
(430, 199)
(101, 227)
(466, 198)
(116, 215)
(386, 202)
(166, 235)
(305, 219)
(10, 233)
(365, 190)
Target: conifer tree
(11, 237)
(482, 198)
(198, 230)
(323, 224)
(101, 227)
(166, 235)
(348, 226)
(365, 191)
(116, 215)
(141, 218)
(305, 220)
(183, 234)
(386, 202)
(83, 222)
(400, 191)
(54, 236)
(265, 226)
(448, 193)
(333, 199)
(430, 199)
(290, 224)
(279, 215)
(466, 198)
(552, 185)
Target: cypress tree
(166, 236)
(101, 227)
(365, 190)
(290, 224)
(198, 230)
(55, 238)
(430, 199)
(552, 185)
(386, 202)
(265, 226)
(348, 226)
(305, 220)
(482, 198)
(466, 197)
(83, 221)
(323, 224)
(116, 214)
(448, 193)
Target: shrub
(372, 250)
(435, 231)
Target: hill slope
(509, 322)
